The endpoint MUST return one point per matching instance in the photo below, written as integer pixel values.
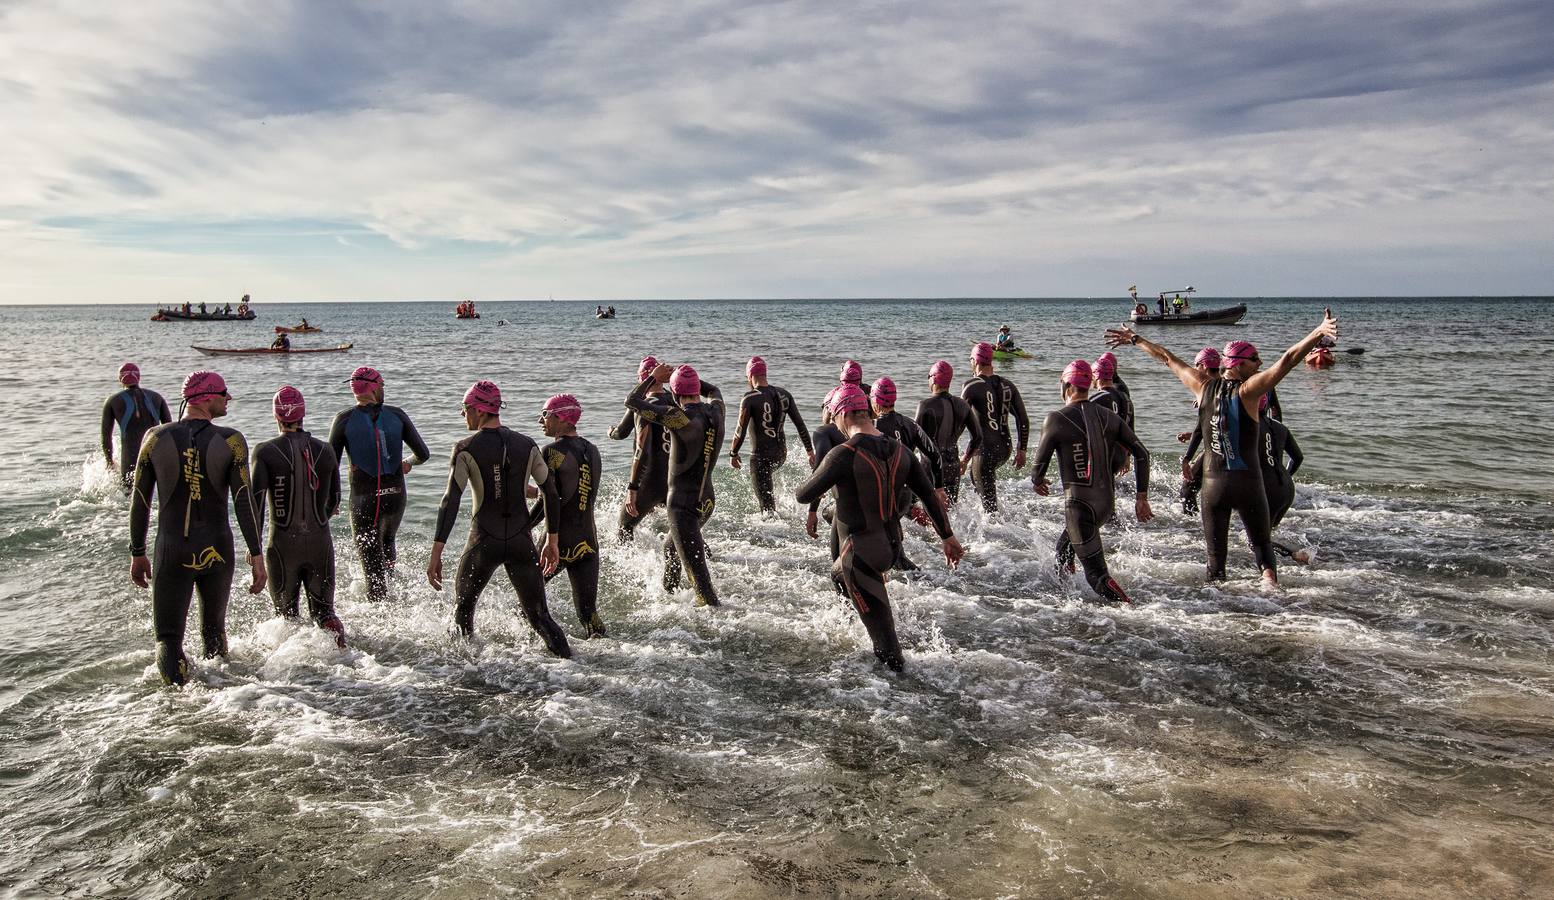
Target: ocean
(1380, 727)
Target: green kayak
(1016, 353)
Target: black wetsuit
(912, 436)
(868, 472)
(695, 437)
(765, 407)
(945, 416)
(992, 399)
(649, 475)
(1279, 482)
(1120, 404)
(574, 465)
(495, 464)
(136, 411)
(1084, 436)
(1232, 476)
(374, 436)
(300, 476)
(191, 466)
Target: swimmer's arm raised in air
(1253, 389)
(1190, 377)
(652, 409)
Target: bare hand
(811, 460)
(944, 498)
(662, 372)
(1183, 437)
(953, 551)
(531, 491)
(1019, 459)
(434, 571)
(1329, 326)
(1141, 508)
(631, 503)
(733, 460)
(404, 467)
(1116, 337)
(812, 524)
(1043, 487)
(550, 557)
(258, 576)
(140, 571)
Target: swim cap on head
(1208, 356)
(288, 405)
(830, 395)
(364, 380)
(685, 382)
(852, 373)
(484, 396)
(848, 398)
(884, 392)
(756, 366)
(203, 384)
(1236, 351)
(564, 407)
(129, 374)
(941, 373)
(1105, 369)
(1078, 374)
(982, 353)
(649, 363)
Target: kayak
(1230, 315)
(268, 351)
(297, 329)
(1016, 353)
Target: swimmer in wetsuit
(374, 436)
(575, 467)
(300, 477)
(1278, 481)
(1084, 435)
(1229, 414)
(945, 417)
(647, 484)
(867, 472)
(1107, 394)
(191, 466)
(766, 405)
(1207, 361)
(496, 463)
(882, 397)
(695, 436)
(992, 398)
(824, 439)
(135, 410)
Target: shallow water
(1382, 727)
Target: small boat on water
(465, 310)
(1179, 311)
(1016, 353)
(602, 313)
(177, 314)
(268, 351)
(298, 329)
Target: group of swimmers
(878, 466)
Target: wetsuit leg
(984, 473)
(215, 589)
(951, 469)
(1065, 552)
(762, 471)
(1214, 512)
(1259, 535)
(285, 583)
(672, 569)
(479, 560)
(584, 575)
(376, 509)
(858, 575)
(1082, 527)
(687, 545)
(648, 499)
(172, 588)
(523, 570)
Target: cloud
(622, 149)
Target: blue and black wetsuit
(1232, 475)
(575, 467)
(135, 411)
(374, 437)
(191, 467)
(945, 417)
(495, 464)
(300, 477)
(992, 399)
(765, 408)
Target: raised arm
(625, 427)
(1191, 378)
(652, 409)
(1253, 389)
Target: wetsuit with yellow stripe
(649, 474)
(574, 465)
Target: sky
(591, 150)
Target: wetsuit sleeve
(140, 497)
(826, 476)
(798, 423)
(167, 414)
(448, 509)
(925, 489)
(1293, 449)
(929, 449)
(1193, 443)
(625, 427)
(412, 439)
(261, 482)
(711, 394)
(1046, 445)
(744, 421)
(337, 435)
(661, 411)
(332, 474)
(547, 485)
(108, 430)
(1022, 422)
(975, 428)
(1128, 439)
(243, 505)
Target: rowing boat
(268, 351)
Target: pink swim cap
(364, 380)
(852, 373)
(685, 382)
(564, 407)
(884, 392)
(203, 384)
(756, 366)
(982, 353)
(941, 373)
(1262, 405)
(484, 396)
(1236, 351)
(1105, 369)
(288, 405)
(648, 364)
(129, 374)
(848, 398)
(1078, 374)
(1208, 356)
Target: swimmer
(300, 478)
(867, 473)
(1084, 435)
(946, 417)
(766, 405)
(1229, 409)
(882, 397)
(824, 439)
(992, 398)
(1278, 481)
(575, 467)
(695, 436)
(851, 373)
(647, 483)
(374, 436)
(191, 466)
(136, 410)
(496, 463)
(1207, 361)
(1108, 394)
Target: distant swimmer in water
(882, 397)
(764, 407)
(695, 437)
(574, 465)
(495, 464)
(867, 472)
(992, 399)
(135, 410)
(647, 484)
(1276, 443)
(1084, 435)
(1229, 407)
(945, 417)
(300, 477)
(191, 467)
(374, 436)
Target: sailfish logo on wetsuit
(193, 474)
(203, 560)
(585, 485)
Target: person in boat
(1160, 302)
(281, 342)
(598, 310)
(1176, 305)
(1005, 341)
(1186, 305)
(304, 326)
(187, 309)
(136, 411)
(610, 312)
